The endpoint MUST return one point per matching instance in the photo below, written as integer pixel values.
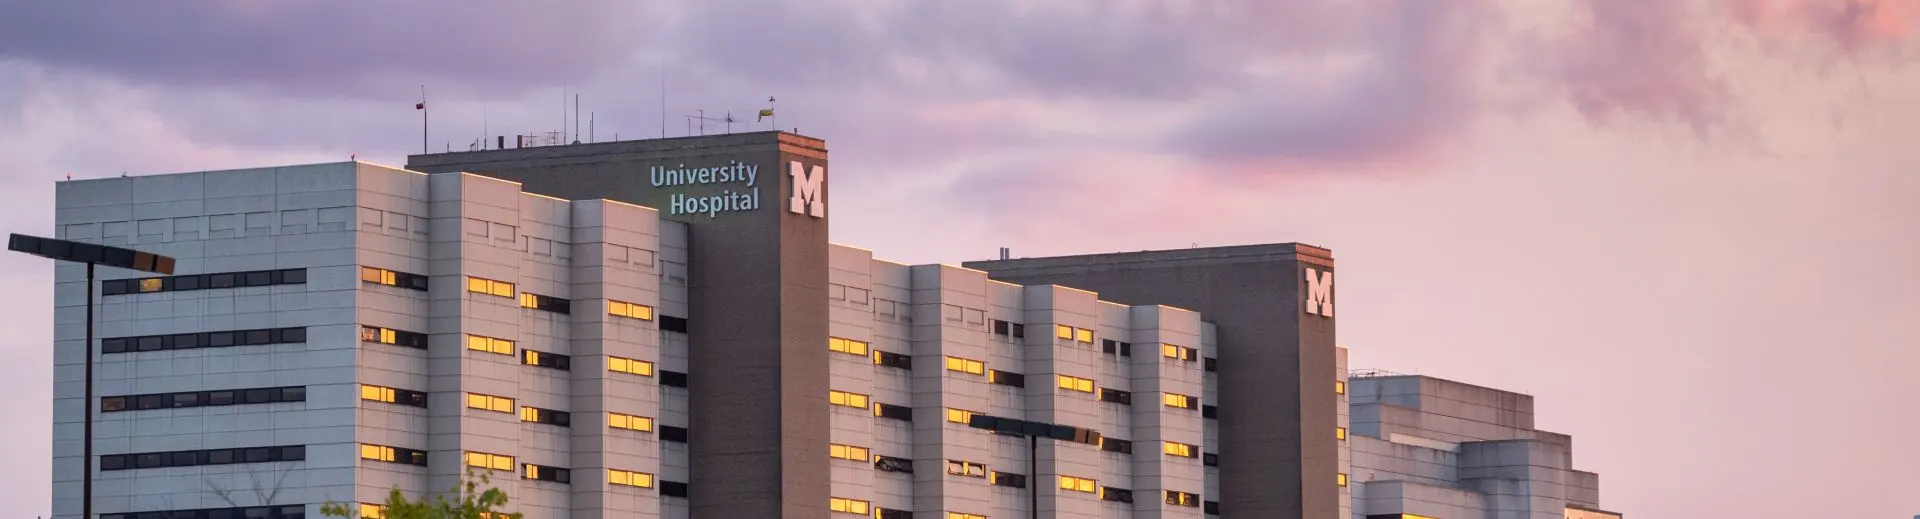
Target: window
(190, 282)
(673, 434)
(1182, 450)
(256, 512)
(390, 278)
(372, 511)
(629, 422)
(1006, 379)
(959, 415)
(1208, 411)
(959, 515)
(1179, 352)
(843, 398)
(847, 346)
(1116, 445)
(893, 360)
(498, 404)
(1108, 394)
(966, 468)
(489, 287)
(897, 412)
(489, 461)
(892, 464)
(270, 395)
(1007, 329)
(188, 458)
(1178, 498)
(1339, 387)
(673, 378)
(673, 488)
(1003, 479)
(1342, 481)
(1083, 335)
(1078, 484)
(545, 473)
(545, 416)
(1210, 507)
(670, 323)
(1076, 383)
(629, 366)
(547, 303)
(392, 395)
(489, 344)
(1340, 433)
(849, 506)
(1061, 331)
(400, 455)
(186, 341)
(1180, 401)
(966, 365)
(632, 310)
(848, 452)
(546, 360)
(1212, 364)
(392, 336)
(1113, 347)
(1210, 459)
(1070, 333)
(882, 513)
(629, 478)
(1116, 494)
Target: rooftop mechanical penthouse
(661, 328)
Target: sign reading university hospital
(738, 188)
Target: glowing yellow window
(629, 478)
(1339, 387)
(1077, 484)
(379, 275)
(960, 515)
(847, 346)
(849, 506)
(1178, 400)
(843, 398)
(959, 415)
(848, 452)
(1063, 331)
(489, 287)
(966, 365)
(1181, 449)
(489, 344)
(490, 461)
(625, 365)
(489, 402)
(629, 422)
(376, 393)
(1083, 335)
(528, 300)
(1343, 480)
(1340, 433)
(370, 511)
(1076, 383)
(376, 452)
(625, 309)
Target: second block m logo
(806, 190)
(1319, 292)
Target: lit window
(1340, 433)
(1182, 450)
(625, 309)
(966, 365)
(848, 452)
(489, 344)
(490, 461)
(490, 403)
(843, 398)
(1179, 352)
(630, 478)
(489, 287)
(1076, 383)
(1339, 387)
(959, 515)
(376, 393)
(629, 422)
(1175, 497)
(528, 300)
(847, 346)
(371, 511)
(379, 275)
(959, 415)
(1343, 479)
(1063, 331)
(376, 452)
(1180, 401)
(625, 365)
(966, 468)
(850, 506)
(1078, 484)
(1083, 335)
(151, 284)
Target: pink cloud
(1635, 58)
(1854, 25)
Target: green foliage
(472, 503)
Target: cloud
(1635, 59)
(1852, 25)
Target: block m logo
(1319, 293)
(806, 190)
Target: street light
(1033, 431)
(89, 254)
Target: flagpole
(423, 119)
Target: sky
(1684, 226)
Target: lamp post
(90, 254)
(1033, 431)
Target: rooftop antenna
(422, 107)
(702, 117)
(590, 120)
(576, 118)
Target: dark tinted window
(673, 434)
(673, 489)
(150, 402)
(185, 459)
(221, 280)
(189, 282)
(257, 396)
(293, 453)
(259, 336)
(219, 398)
(673, 378)
(146, 461)
(113, 462)
(257, 454)
(673, 324)
(186, 341)
(293, 335)
(148, 344)
(114, 287)
(220, 456)
(293, 394)
(186, 399)
(220, 339)
(113, 403)
(113, 345)
(259, 279)
(293, 276)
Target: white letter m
(1320, 293)
(806, 190)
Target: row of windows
(1179, 352)
(392, 336)
(966, 365)
(546, 360)
(480, 285)
(1180, 401)
(545, 473)
(389, 454)
(966, 468)
(547, 303)
(489, 344)
(147, 460)
(546, 416)
(1178, 498)
(843, 398)
(847, 346)
(203, 398)
(1076, 383)
(256, 278)
(1077, 484)
(1007, 329)
(184, 341)
(630, 478)
(673, 379)
(1006, 379)
(498, 404)
(890, 359)
(1117, 396)
(393, 395)
(632, 310)
(958, 515)
(1113, 347)
(484, 460)
(251, 512)
(1183, 450)
(1116, 445)
(848, 452)
(630, 366)
(1070, 333)
(849, 506)
(390, 278)
(1007, 480)
(629, 422)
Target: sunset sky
(1687, 227)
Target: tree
(472, 503)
